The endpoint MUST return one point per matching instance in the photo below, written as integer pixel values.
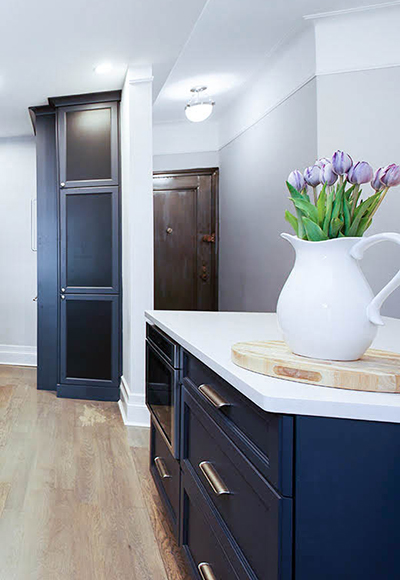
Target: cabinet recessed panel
(88, 145)
(89, 240)
(89, 339)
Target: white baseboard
(12, 354)
(132, 406)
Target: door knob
(169, 230)
(63, 290)
(62, 297)
(35, 299)
(62, 184)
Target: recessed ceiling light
(103, 68)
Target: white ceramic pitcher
(326, 308)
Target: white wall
(358, 111)
(137, 237)
(186, 161)
(254, 260)
(17, 261)
(269, 130)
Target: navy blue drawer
(265, 438)
(166, 474)
(258, 519)
(204, 541)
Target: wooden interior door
(185, 240)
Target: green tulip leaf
(328, 212)
(337, 205)
(313, 231)
(289, 217)
(346, 215)
(360, 213)
(335, 227)
(321, 203)
(307, 209)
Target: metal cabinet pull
(213, 397)
(211, 475)
(206, 572)
(161, 468)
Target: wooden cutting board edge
(376, 371)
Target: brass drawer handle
(161, 468)
(206, 572)
(213, 397)
(211, 475)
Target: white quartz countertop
(210, 335)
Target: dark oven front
(162, 386)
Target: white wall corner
(284, 72)
(18, 355)
(137, 235)
(368, 39)
(133, 407)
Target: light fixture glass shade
(200, 106)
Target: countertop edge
(315, 408)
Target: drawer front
(265, 438)
(257, 517)
(166, 474)
(204, 543)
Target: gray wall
(254, 260)
(172, 162)
(359, 112)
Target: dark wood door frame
(213, 172)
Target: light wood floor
(76, 498)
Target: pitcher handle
(357, 252)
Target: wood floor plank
(76, 502)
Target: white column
(137, 237)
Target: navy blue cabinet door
(89, 340)
(88, 145)
(89, 240)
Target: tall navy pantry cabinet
(78, 225)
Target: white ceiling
(229, 43)
(49, 48)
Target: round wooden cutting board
(376, 370)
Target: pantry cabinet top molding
(87, 98)
(209, 336)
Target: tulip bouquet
(336, 209)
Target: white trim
(132, 406)
(269, 110)
(141, 80)
(345, 11)
(12, 354)
(322, 73)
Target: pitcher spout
(293, 240)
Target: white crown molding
(356, 10)
(141, 80)
(322, 73)
(133, 407)
(268, 111)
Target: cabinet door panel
(89, 340)
(89, 240)
(88, 145)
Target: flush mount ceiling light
(103, 68)
(200, 106)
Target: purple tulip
(328, 175)
(322, 162)
(341, 162)
(361, 172)
(297, 180)
(312, 175)
(391, 175)
(376, 182)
